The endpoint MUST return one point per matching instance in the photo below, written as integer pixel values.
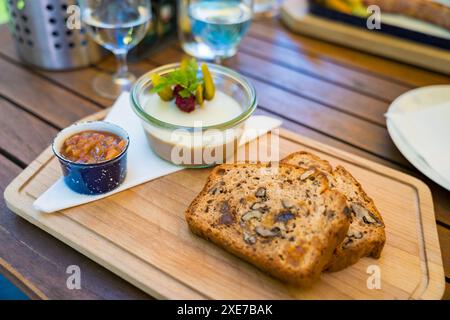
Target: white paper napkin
(427, 131)
(143, 164)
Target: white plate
(412, 101)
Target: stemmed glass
(117, 25)
(220, 24)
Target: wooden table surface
(329, 93)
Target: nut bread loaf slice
(282, 219)
(366, 235)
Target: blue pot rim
(90, 165)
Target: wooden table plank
(272, 31)
(8, 48)
(447, 292)
(25, 285)
(311, 64)
(325, 93)
(444, 240)
(21, 134)
(78, 81)
(441, 199)
(50, 276)
(41, 97)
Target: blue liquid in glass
(220, 24)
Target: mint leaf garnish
(185, 77)
(185, 93)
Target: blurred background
(3, 13)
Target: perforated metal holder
(39, 29)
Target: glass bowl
(195, 146)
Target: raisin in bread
(366, 236)
(283, 219)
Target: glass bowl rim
(214, 68)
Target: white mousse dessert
(222, 108)
(194, 147)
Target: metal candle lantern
(43, 39)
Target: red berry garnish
(177, 89)
(185, 104)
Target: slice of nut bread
(283, 219)
(366, 235)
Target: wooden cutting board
(141, 235)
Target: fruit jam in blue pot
(93, 156)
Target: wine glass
(220, 24)
(117, 25)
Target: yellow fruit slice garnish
(210, 89)
(199, 95)
(184, 63)
(165, 94)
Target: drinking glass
(220, 24)
(265, 8)
(117, 25)
(190, 44)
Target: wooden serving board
(141, 235)
(294, 14)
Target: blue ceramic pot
(92, 178)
